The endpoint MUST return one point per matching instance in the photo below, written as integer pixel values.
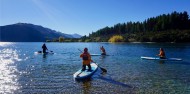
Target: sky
(85, 16)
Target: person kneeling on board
(86, 60)
(162, 54)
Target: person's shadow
(103, 76)
(107, 78)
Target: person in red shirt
(86, 59)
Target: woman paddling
(162, 54)
(86, 59)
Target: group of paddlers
(86, 57)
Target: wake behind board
(157, 58)
(81, 75)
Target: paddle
(103, 69)
(46, 52)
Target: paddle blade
(104, 70)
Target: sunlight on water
(8, 77)
(3, 44)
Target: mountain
(76, 35)
(25, 32)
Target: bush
(116, 38)
(61, 39)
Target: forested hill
(174, 27)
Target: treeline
(174, 27)
(62, 39)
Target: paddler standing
(44, 48)
(86, 59)
(103, 50)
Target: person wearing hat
(86, 60)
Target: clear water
(23, 71)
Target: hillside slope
(24, 32)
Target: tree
(61, 39)
(148, 30)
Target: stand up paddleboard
(40, 52)
(81, 75)
(157, 58)
(98, 55)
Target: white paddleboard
(40, 52)
(80, 75)
(157, 58)
(98, 55)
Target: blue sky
(85, 16)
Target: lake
(23, 71)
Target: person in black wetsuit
(103, 50)
(44, 48)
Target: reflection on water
(161, 61)
(4, 44)
(86, 85)
(8, 70)
(44, 56)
